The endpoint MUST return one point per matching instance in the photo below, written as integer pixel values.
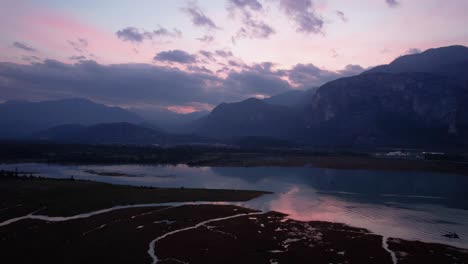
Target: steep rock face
(375, 108)
(295, 98)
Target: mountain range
(114, 133)
(417, 100)
(21, 118)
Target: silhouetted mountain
(21, 118)
(113, 133)
(418, 100)
(252, 117)
(151, 126)
(62, 133)
(451, 61)
(406, 109)
(169, 121)
(294, 98)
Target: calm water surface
(409, 205)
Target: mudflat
(183, 233)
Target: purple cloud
(309, 75)
(254, 29)
(116, 84)
(199, 69)
(253, 82)
(144, 83)
(133, 34)
(79, 45)
(198, 17)
(30, 58)
(207, 54)
(206, 39)
(303, 13)
(77, 58)
(223, 53)
(412, 51)
(163, 32)
(341, 15)
(178, 56)
(351, 69)
(252, 4)
(233, 63)
(251, 27)
(23, 46)
(392, 3)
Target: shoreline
(198, 156)
(340, 163)
(325, 162)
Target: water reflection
(409, 205)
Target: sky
(186, 55)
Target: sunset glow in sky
(191, 55)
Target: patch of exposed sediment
(205, 233)
(151, 250)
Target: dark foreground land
(201, 155)
(59, 197)
(209, 233)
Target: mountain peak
(248, 103)
(432, 61)
(252, 100)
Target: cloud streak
(198, 17)
(252, 4)
(79, 45)
(178, 56)
(392, 3)
(23, 46)
(309, 75)
(135, 35)
(252, 27)
(341, 15)
(412, 51)
(78, 58)
(304, 14)
(206, 39)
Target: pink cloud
(187, 109)
(50, 32)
